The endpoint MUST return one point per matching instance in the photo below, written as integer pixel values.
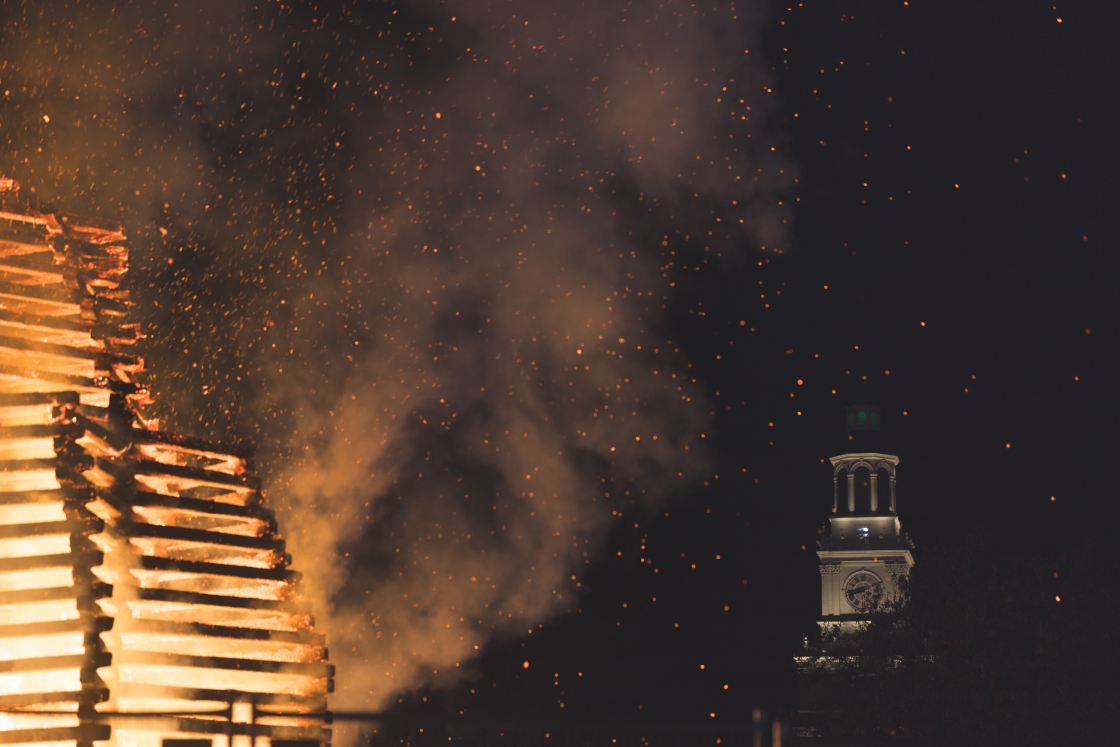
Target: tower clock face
(863, 590)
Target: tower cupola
(863, 551)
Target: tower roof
(870, 459)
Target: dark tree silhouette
(986, 648)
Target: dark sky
(950, 255)
(957, 201)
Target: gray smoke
(419, 256)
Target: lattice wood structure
(139, 572)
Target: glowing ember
(139, 572)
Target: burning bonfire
(145, 596)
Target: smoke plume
(418, 254)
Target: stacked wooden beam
(140, 574)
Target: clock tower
(864, 554)
(865, 558)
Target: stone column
(851, 492)
(894, 505)
(875, 491)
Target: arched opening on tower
(840, 491)
(863, 489)
(883, 488)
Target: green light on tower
(863, 418)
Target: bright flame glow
(42, 681)
(153, 646)
(38, 646)
(286, 721)
(246, 526)
(30, 513)
(206, 583)
(73, 338)
(210, 460)
(222, 679)
(44, 544)
(37, 578)
(30, 479)
(169, 485)
(58, 364)
(26, 448)
(214, 615)
(294, 653)
(14, 721)
(34, 612)
(166, 705)
(206, 552)
(25, 415)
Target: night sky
(340, 212)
